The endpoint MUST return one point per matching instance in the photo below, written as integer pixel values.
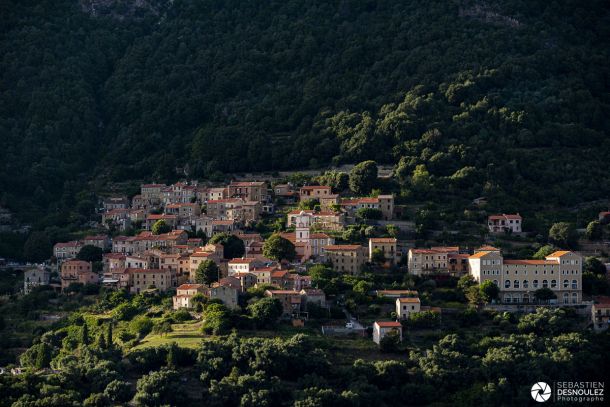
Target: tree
(37, 247)
(160, 227)
(90, 253)
(118, 391)
(392, 230)
(489, 291)
(595, 266)
(421, 179)
(141, 326)
(544, 294)
(266, 311)
(362, 287)
(278, 248)
(473, 294)
(308, 204)
(543, 252)
(339, 181)
(377, 256)
(162, 328)
(84, 334)
(369, 213)
(595, 230)
(465, 282)
(158, 388)
(43, 357)
(101, 341)
(217, 319)
(232, 245)
(390, 342)
(207, 272)
(563, 235)
(109, 340)
(363, 177)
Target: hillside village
(221, 242)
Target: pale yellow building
(185, 293)
(433, 260)
(406, 306)
(142, 279)
(346, 258)
(518, 280)
(387, 245)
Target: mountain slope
(514, 94)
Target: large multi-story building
(504, 223)
(67, 250)
(383, 203)
(387, 245)
(433, 260)
(346, 258)
(77, 271)
(518, 280)
(35, 277)
(142, 279)
(306, 243)
(256, 191)
(314, 192)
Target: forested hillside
(504, 97)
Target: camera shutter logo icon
(541, 392)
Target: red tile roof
(388, 324)
(342, 247)
(247, 183)
(243, 260)
(480, 254)
(383, 240)
(530, 262)
(190, 286)
(413, 300)
(314, 187)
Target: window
(545, 284)
(574, 285)
(566, 283)
(535, 283)
(526, 284)
(516, 284)
(496, 282)
(507, 298)
(553, 283)
(507, 285)
(566, 298)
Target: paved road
(350, 318)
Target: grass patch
(187, 335)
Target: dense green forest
(505, 98)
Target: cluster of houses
(170, 260)
(210, 210)
(517, 279)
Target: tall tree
(278, 248)
(160, 227)
(90, 253)
(37, 248)
(233, 246)
(563, 235)
(84, 334)
(363, 177)
(207, 272)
